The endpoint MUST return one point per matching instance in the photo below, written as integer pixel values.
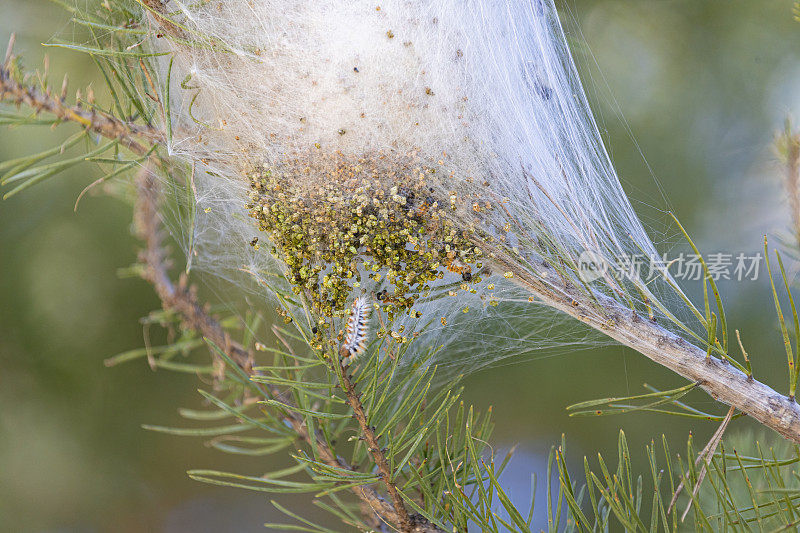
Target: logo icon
(591, 266)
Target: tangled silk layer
(405, 148)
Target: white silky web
(484, 92)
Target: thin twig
(374, 448)
(705, 455)
(180, 299)
(136, 137)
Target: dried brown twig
(705, 456)
(136, 137)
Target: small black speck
(355, 69)
(543, 90)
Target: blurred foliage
(701, 85)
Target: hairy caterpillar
(356, 334)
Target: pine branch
(180, 299)
(374, 448)
(717, 377)
(137, 138)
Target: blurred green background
(688, 94)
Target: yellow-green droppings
(339, 216)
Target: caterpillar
(356, 334)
